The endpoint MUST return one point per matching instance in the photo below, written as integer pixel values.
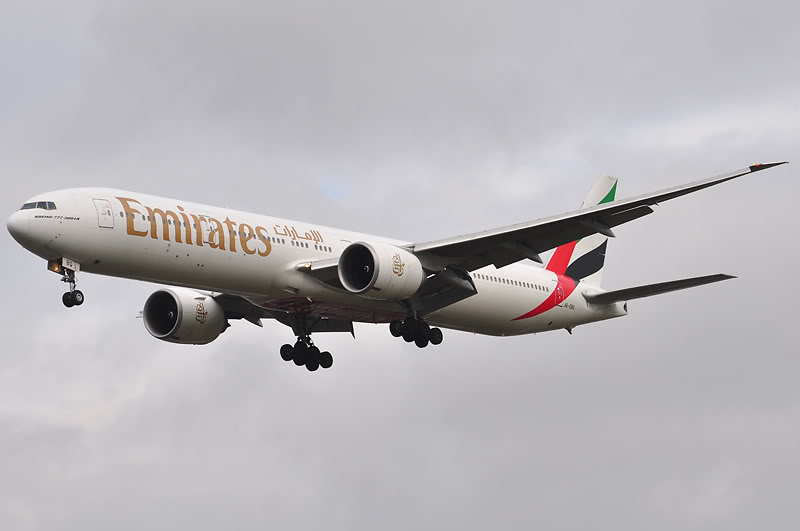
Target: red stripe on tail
(560, 260)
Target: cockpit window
(44, 205)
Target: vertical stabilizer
(584, 259)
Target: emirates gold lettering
(130, 212)
(169, 225)
(168, 219)
(245, 234)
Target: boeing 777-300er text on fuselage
(224, 264)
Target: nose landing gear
(417, 331)
(74, 297)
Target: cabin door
(105, 216)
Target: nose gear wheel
(74, 297)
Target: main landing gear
(304, 352)
(415, 330)
(74, 297)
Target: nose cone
(17, 226)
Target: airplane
(223, 265)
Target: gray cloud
(416, 121)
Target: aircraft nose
(17, 226)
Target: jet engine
(180, 315)
(380, 271)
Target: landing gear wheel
(436, 336)
(286, 352)
(325, 360)
(423, 331)
(312, 353)
(421, 342)
(299, 354)
(409, 331)
(67, 300)
(77, 297)
(396, 328)
(312, 358)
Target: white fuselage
(215, 249)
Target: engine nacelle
(380, 271)
(180, 315)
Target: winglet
(766, 165)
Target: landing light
(55, 266)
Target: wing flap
(649, 290)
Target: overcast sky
(413, 120)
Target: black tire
(436, 336)
(423, 331)
(67, 300)
(409, 330)
(299, 354)
(286, 352)
(421, 342)
(312, 365)
(326, 360)
(312, 354)
(77, 297)
(396, 328)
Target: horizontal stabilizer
(652, 289)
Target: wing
(506, 245)
(449, 261)
(639, 292)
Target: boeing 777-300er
(223, 264)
